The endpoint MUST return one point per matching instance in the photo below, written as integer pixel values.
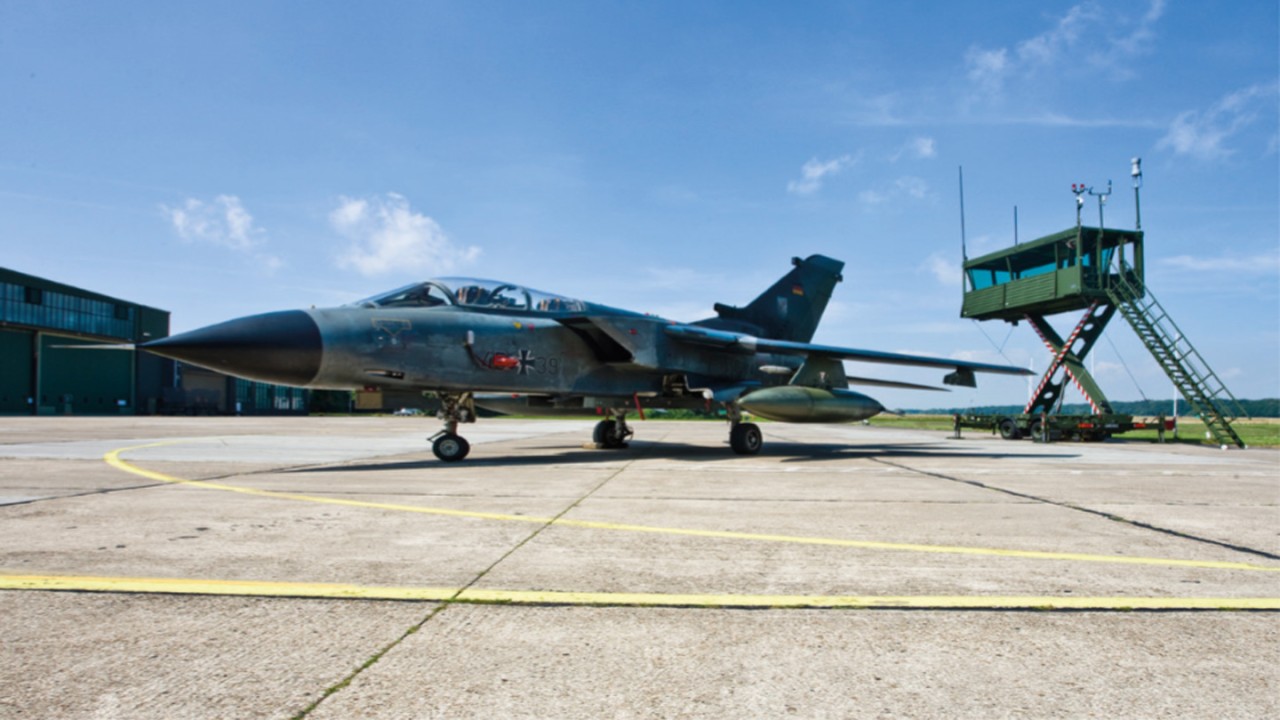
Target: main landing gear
(613, 434)
(447, 444)
(745, 438)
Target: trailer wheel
(1009, 429)
(1036, 430)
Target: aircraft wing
(962, 374)
(873, 382)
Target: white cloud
(349, 213)
(987, 68)
(1088, 34)
(904, 188)
(1048, 47)
(1139, 41)
(1203, 134)
(921, 148)
(1024, 81)
(944, 268)
(387, 235)
(815, 171)
(225, 223)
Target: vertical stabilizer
(791, 308)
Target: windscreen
(426, 294)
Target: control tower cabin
(1066, 271)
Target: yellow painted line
(113, 458)
(338, 591)
(237, 588)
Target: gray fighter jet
(512, 349)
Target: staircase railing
(1193, 377)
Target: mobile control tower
(1098, 271)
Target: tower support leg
(1068, 357)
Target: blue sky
(221, 159)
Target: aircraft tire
(604, 435)
(604, 429)
(746, 439)
(450, 447)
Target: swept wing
(962, 370)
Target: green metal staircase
(1199, 385)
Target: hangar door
(16, 380)
(84, 382)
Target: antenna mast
(1136, 172)
(1102, 201)
(964, 251)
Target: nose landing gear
(447, 444)
(449, 447)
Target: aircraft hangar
(42, 374)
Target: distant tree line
(1267, 408)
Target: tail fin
(791, 309)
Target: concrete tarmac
(332, 568)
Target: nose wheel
(447, 444)
(450, 447)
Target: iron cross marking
(527, 362)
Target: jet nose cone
(278, 347)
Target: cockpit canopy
(474, 293)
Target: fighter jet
(480, 343)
